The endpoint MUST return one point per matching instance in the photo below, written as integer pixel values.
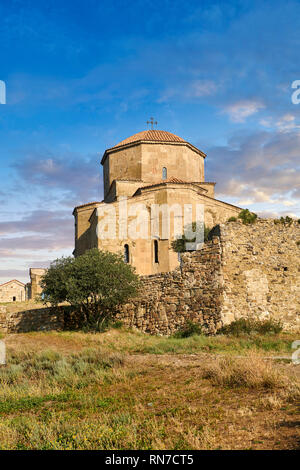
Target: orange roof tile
(152, 135)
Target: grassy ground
(133, 342)
(126, 390)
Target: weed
(189, 329)
(252, 372)
(251, 326)
(284, 221)
(247, 217)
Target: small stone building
(36, 275)
(12, 291)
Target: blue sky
(81, 76)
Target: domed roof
(152, 135)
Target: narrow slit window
(164, 173)
(155, 251)
(126, 253)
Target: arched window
(164, 173)
(155, 251)
(126, 253)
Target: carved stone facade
(150, 169)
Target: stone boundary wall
(244, 271)
(192, 292)
(166, 302)
(261, 271)
(38, 319)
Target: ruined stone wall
(261, 271)
(36, 275)
(166, 302)
(245, 271)
(192, 292)
(248, 271)
(34, 319)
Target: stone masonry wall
(261, 271)
(37, 319)
(192, 292)
(167, 301)
(244, 271)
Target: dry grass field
(126, 390)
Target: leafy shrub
(298, 242)
(232, 219)
(179, 245)
(246, 326)
(284, 221)
(95, 283)
(247, 217)
(189, 329)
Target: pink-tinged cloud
(261, 167)
(12, 274)
(76, 178)
(49, 230)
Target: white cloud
(193, 89)
(289, 203)
(202, 88)
(287, 123)
(266, 122)
(245, 202)
(239, 111)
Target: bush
(232, 219)
(179, 245)
(189, 329)
(246, 326)
(95, 283)
(247, 217)
(284, 221)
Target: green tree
(96, 283)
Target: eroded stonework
(261, 271)
(244, 271)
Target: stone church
(13, 291)
(150, 168)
